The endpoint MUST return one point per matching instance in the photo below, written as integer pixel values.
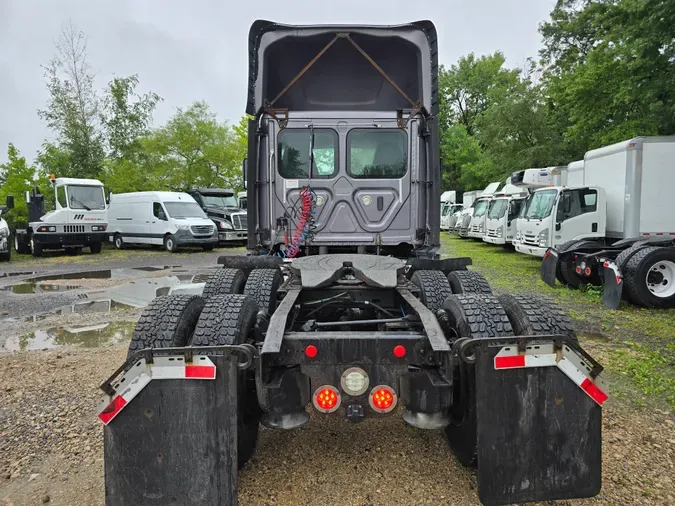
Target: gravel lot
(51, 441)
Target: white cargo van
(170, 219)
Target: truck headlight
(4, 232)
(226, 225)
(182, 227)
(98, 228)
(543, 238)
(46, 229)
(500, 232)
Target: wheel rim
(661, 279)
(16, 243)
(169, 244)
(118, 243)
(32, 246)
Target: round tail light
(326, 399)
(382, 399)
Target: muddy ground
(70, 339)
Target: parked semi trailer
(79, 220)
(5, 243)
(343, 307)
(619, 227)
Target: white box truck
(477, 209)
(619, 227)
(169, 219)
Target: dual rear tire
(190, 320)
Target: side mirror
(10, 202)
(244, 170)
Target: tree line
(605, 73)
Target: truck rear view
(349, 112)
(344, 162)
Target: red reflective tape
(200, 371)
(591, 389)
(112, 409)
(659, 233)
(510, 362)
(645, 233)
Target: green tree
(194, 149)
(18, 177)
(609, 70)
(73, 108)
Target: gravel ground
(51, 447)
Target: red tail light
(326, 399)
(311, 351)
(578, 269)
(399, 351)
(587, 271)
(382, 399)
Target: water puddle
(11, 274)
(89, 336)
(38, 284)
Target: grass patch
(642, 340)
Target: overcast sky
(188, 50)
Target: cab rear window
(377, 154)
(293, 153)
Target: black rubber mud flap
(548, 266)
(176, 443)
(611, 295)
(539, 434)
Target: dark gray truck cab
(222, 207)
(375, 169)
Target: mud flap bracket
(539, 433)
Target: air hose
(304, 225)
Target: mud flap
(548, 266)
(176, 442)
(539, 434)
(611, 295)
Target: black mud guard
(539, 434)
(176, 443)
(549, 264)
(611, 294)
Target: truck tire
(468, 282)
(225, 320)
(118, 241)
(96, 248)
(624, 256)
(204, 275)
(208, 247)
(650, 277)
(223, 282)
(20, 244)
(35, 249)
(531, 316)
(474, 316)
(170, 243)
(561, 249)
(6, 257)
(568, 272)
(167, 322)
(434, 288)
(262, 286)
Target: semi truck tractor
(343, 306)
(224, 209)
(79, 220)
(5, 243)
(618, 229)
